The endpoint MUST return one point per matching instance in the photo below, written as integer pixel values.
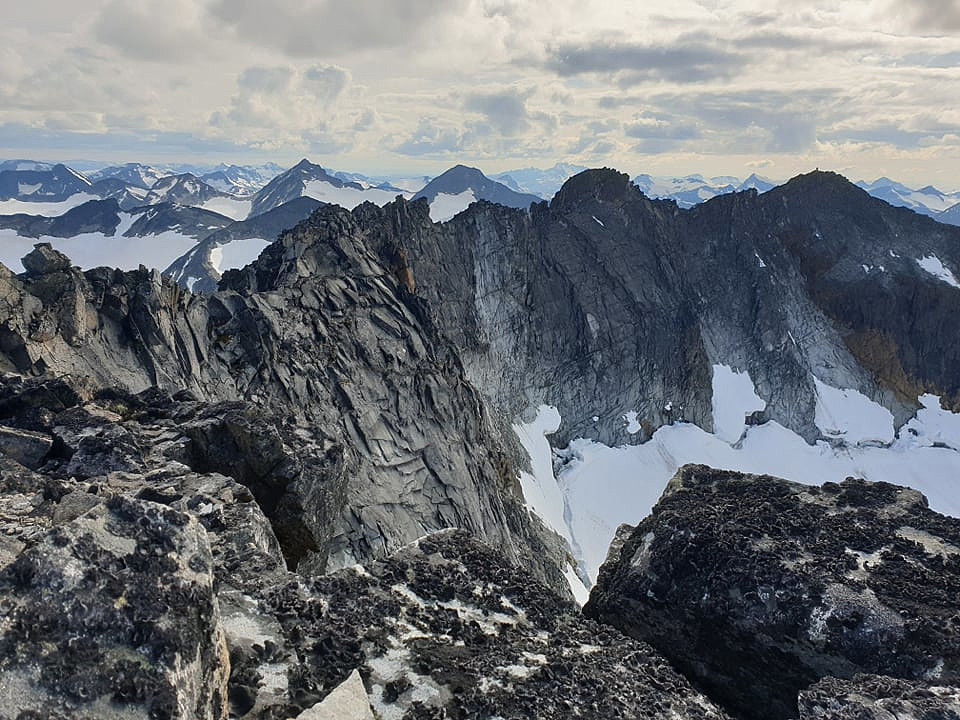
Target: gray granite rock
(43, 259)
(357, 430)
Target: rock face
(757, 587)
(378, 439)
(873, 697)
(603, 302)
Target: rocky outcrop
(379, 438)
(443, 628)
(874, 697)
(114, 614)
(156, 586)
(758, 587)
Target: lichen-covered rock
(758, 587)
(875, 697)
(445, 629)
(114, 615)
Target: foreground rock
(143, 572)
(873, 697)
(758, 587)
(444, 629)
(113, 615)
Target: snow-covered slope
(587, 489)
(950, 216)
(134, 173)
(308, 180)
(241, 179)
(691, 190)
(54, 185)
(89, 250)
(13, 206)
(185, 189)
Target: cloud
(325, 82)
(268, 80)
(936, 16)
(506, 111)
(154, 30)
(647, 126)
(285, 97)
(430, 138)
(331, 27)
(684, 61)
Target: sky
(719, 87)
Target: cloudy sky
(864, 87)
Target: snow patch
(90, 250)
(734, 397)
(445, 205)
(347, 197)
(237, 253)
(540, 487)
(935, 267)
(233, 208)
(605, 487)
(851, 416)
(48, 209)
(633, 425)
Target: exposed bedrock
(757, 587)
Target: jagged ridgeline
(202, 461)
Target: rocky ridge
(321, 333)
(604, 302)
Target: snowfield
(445, 205)
(935, 267)
(47, 209)
(91, 250)
(588, 489)
(347, 197)
(237, 253)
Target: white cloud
(664, 85)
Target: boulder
(114, 615)
(756, 587)
(43, 260)
(348, 701)
(26, 447)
